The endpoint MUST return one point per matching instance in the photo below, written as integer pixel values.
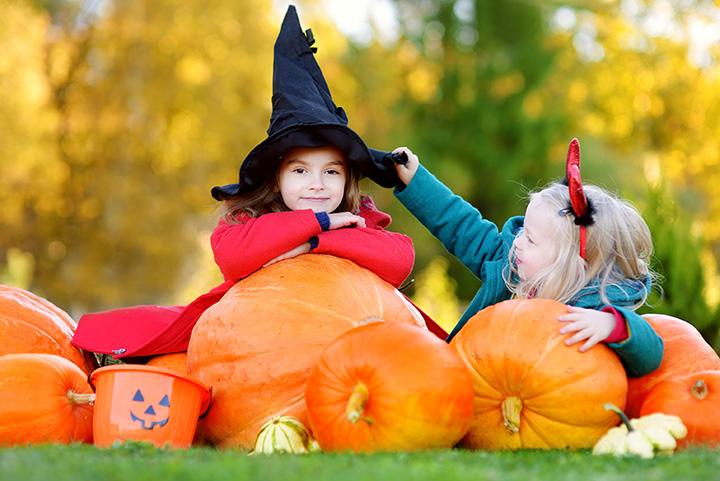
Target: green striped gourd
(285, 434)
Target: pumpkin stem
(699, 389)
(357, 402)
(77, 398)
(511, 408)
(619, 412)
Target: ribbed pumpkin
(695, 399)
(257, 345)
(685, 352)
(531, 390)
(45, 399)
(389, 387)
(30, 324)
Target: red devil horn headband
(579, 204)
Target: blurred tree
(678, 244)
(134, 111)
(31, 174)
(472, 72)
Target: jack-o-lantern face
(150, 413)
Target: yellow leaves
(422, 82)
(193, 70)
(507, 85)
(435, 292)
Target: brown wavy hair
(267, 198)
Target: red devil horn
(573, 157)
(572, 174)
(577, 194)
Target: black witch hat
(304, 115)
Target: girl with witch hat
(581, 246)
(297, 193)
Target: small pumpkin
(694, 398)
(176, 361)
(257, 345)
(389, 387)
(685, 352)
(285, 434)
(45, 399)
(531, 390)
(30, 324)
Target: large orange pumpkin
(257, 345)
(30, 324)
(685, 352)
(531, 390)
(695, 398)
(389, 387)
(45, 399)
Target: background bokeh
(117, 117)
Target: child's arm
(455, 222)
(241, 249)
(333, 221)
(389, 255)
(641, 349)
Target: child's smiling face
(535, 245)
(313, 178)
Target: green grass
(140, 462)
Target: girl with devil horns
(583, 247)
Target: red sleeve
(241, 249)
(388, 254)
(620, 333)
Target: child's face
(313, 178)
(535, 245)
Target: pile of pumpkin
(319, 342)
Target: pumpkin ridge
(555, 385)
(71, 353)
(532, 427)
(476, 374)
(550, 345)
(317, 310)
(32, 307)
(34, 298)
(536, 413)
(352, 286)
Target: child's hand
(407, 171)
(299, 250)
(345, 219)
(595, 326)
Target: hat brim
(264, 159)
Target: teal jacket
(484, 249)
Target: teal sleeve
(455, 222)
(642, 352)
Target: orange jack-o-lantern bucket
(134, 402)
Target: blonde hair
(618, 247)
(267, 198)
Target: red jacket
(240, 250)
